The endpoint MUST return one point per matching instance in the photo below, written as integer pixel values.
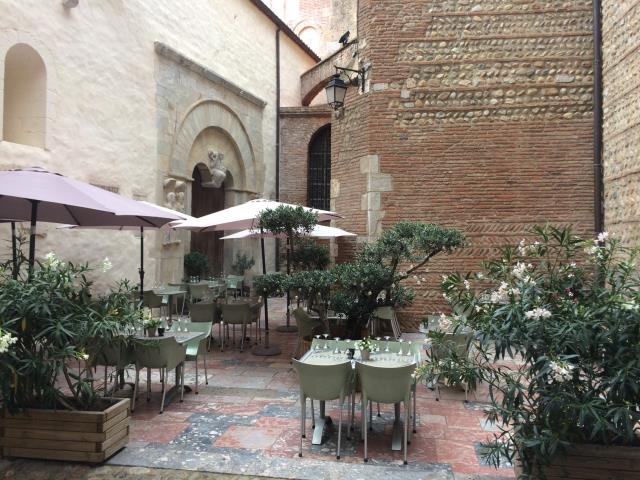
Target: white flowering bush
(569, 311)
(50, 325)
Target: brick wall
(297, 126)
(621, 79)
(478, 116)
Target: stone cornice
(166, 51)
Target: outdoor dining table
(182, 338)
(169, 293)
(336, 352)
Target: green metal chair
(151, 300)
(198, 292)
(195, 347)
(118, 355)
(388, 314)
(460, 345)
(385, 385)
(204, 312)
(323, 383)
(235, 314)
(307, 328)
(256, 309)
(164, 354)
(234, 283)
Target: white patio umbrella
(182, 216)
(241, 217)
(319, 231)
(35, 194)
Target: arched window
(319, 177)
(25, 96)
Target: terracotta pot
(151, 332)
(365, 355)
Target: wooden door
(203, 202)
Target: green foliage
(271, 284)
(375, 276)
(196, 264)
(570, 310)
(309, 255)
(57, 325)
(290, 221)
(242, 264)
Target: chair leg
(370, 415)
(221, 330)
(349, 417)
(353, 411)
(303, 413)
(164, 392)
(414, 409)
(243, 332)
(364, 427)
(340, 427)
(206, 375)
(135, 390)
(313, 416)
(181, 367)
(378, 408)
(406, 428)
(196, 374)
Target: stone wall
(116, 105)
(621, 79)
(476, 115)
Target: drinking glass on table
(337, 349)
(400, 352)
(386, 348)
(317, 347)
(326, 343)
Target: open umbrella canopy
(62, 199)
(319, 231)
(243, 216)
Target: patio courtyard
(246, 422)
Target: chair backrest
(204, 327)
(117, 354)
(386, 385)
(323, 382)
(151, 300)
(385, 313)
(202, 311)
(163, 352)
(236, 313)
(198, 291)
(307, 326)
(459, 343)
(256, 308)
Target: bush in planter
(56, 324)
(570, 309)
(196, 264)
(242, 263)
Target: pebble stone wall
(477, 115)
(621, 96)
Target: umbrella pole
(14, 250)
(32, 236)
(141, 269)
(265, 350)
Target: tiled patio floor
(246, 421)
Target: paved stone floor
(246, 422)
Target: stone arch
(26, 48)
(213, 114)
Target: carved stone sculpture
(217, 168)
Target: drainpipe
(597, 119)
(277, 136)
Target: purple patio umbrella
(35, 194)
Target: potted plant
(569, 310)
(196, 264)
(365, 346)
(151, 324)
(242, 263)
(51, 324)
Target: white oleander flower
(6, 340)
(106, 265)
(445, 322)
(501, 295)
(51, 260)
(467, 285)
(603, 236)
(538, 313)
(561, 371)
(522, 248)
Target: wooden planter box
(594, 462)
(67, 435)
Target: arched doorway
(319, 173)
(206, 198)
